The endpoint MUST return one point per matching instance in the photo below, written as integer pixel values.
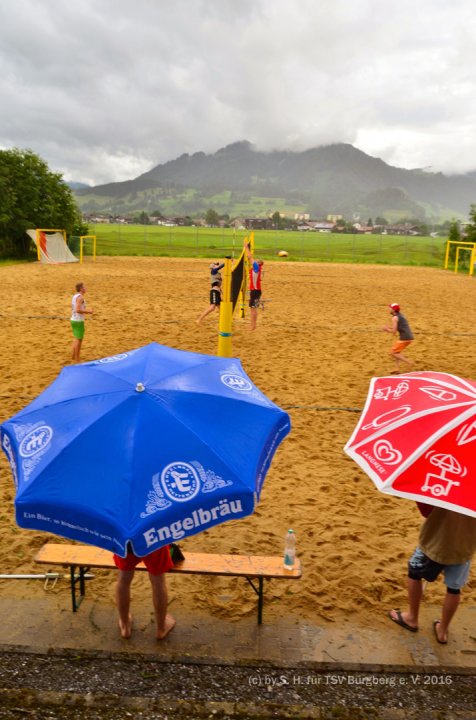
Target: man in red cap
(401, 328)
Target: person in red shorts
(157, 563)
(400, 328)
(256, 274)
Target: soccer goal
(87, 246)
(51, 245)
(461, 245)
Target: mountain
(77, 185)
(333, 179)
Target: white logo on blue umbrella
(111, 359)
(236, 382)
(35, 441)
(7, 447)
(180, 481)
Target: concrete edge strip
(172, 659)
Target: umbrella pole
(50, 578)
(32, 576)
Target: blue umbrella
(147, 447)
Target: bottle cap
(291, 531)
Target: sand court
(317, 344)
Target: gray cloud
(105, 89)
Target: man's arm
(77, 307)
(248, 252)
(394, 326)
(77, 304)
(217, 269)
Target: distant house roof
(402, 229)
(322, 225)
(257, 223)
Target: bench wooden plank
(252, 567)
(240, 565)
(194, 563)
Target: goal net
(51, 246)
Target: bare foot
(126, 628)
(169, 625)
(441, 638)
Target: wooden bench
(255, 568)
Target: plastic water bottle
(289, 550)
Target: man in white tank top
(78, 311)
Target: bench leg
(260, 601)
(259, 591)
(82, 586)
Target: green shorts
(78, 329)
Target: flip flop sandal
(400, 621)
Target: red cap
(395, 306)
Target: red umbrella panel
(416, 438)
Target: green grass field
(14, 261)
(308, 246)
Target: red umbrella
(416, 438)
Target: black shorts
(215, 297)
(255, 296)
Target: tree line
(31, 196)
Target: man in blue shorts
(446, 545)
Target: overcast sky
(104, 90)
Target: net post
(226, 314)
